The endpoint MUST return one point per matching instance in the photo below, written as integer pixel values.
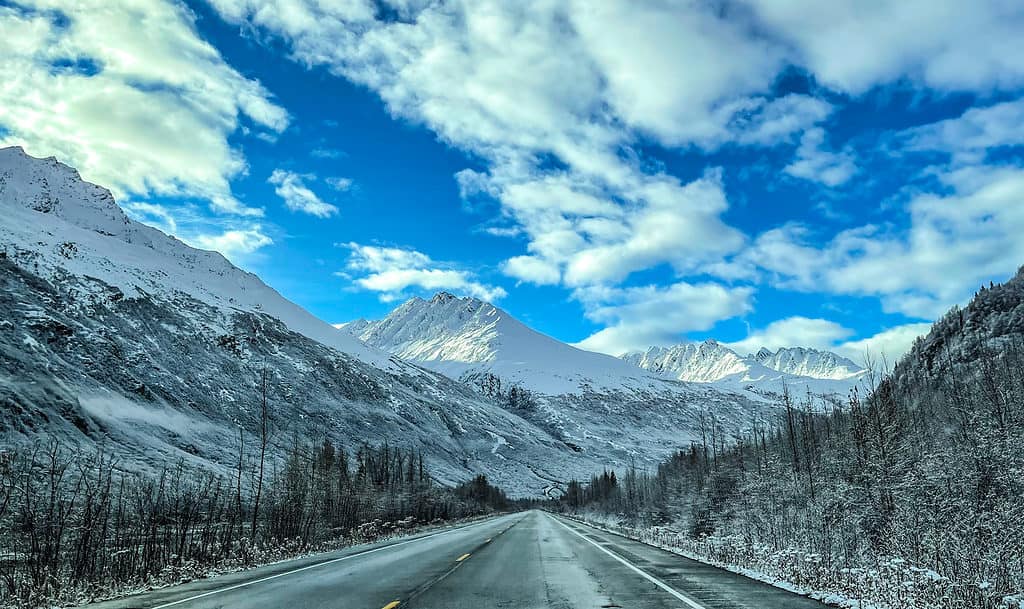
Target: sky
(616, 174)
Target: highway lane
(517, 561)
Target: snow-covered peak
(458, 336)
(50, 216)
(703, 362)
(50, 187)
(799, 368)
(803, 361)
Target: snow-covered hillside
(801, 369)
(118, 335)
(115, 334)
(60, 222)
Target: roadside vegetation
(75, 527)
(909, 497)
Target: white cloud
(816, 164)
(235, 244)
(532, 269)
(767, 122)
(339, 184)
(954, 243)
(297, 196)
(886, 346)
(945, 44)
(638, 317)
(567, 92)
(130, 95)
(558, 117)
(793, 331)
(393, 270)
(967, 137)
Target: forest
(77, 527)
(909, 494)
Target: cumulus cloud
(954, 242)
(558, 117)
(532, 270)
(966, 138)
(813, 162)
(797, 330)
(236, 244)
(886, 346)
(637, 317)
(566, 92)
(393, 270)
(130, 95)
(290, 186)
(947, 44)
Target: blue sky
(616, 175)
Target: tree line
(912, 495)
(75, 526)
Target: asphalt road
(519, 561)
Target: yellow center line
(392, 605)
(459, 559)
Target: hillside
(120, 336)
(908, 497)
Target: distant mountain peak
(442, 297)
(712, 362)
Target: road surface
(519, 561)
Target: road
(517, 561)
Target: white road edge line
(319, 564)
(654, 580)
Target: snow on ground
(891, 583)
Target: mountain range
(799, 369)
(465, 338)
(119, 336)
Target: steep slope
(798, 368)
(57, 221)
(117, 335)
(989, 328)
(595, 403)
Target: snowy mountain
(117, 335)
(461, 337)
(593, 402)
(765, 372)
